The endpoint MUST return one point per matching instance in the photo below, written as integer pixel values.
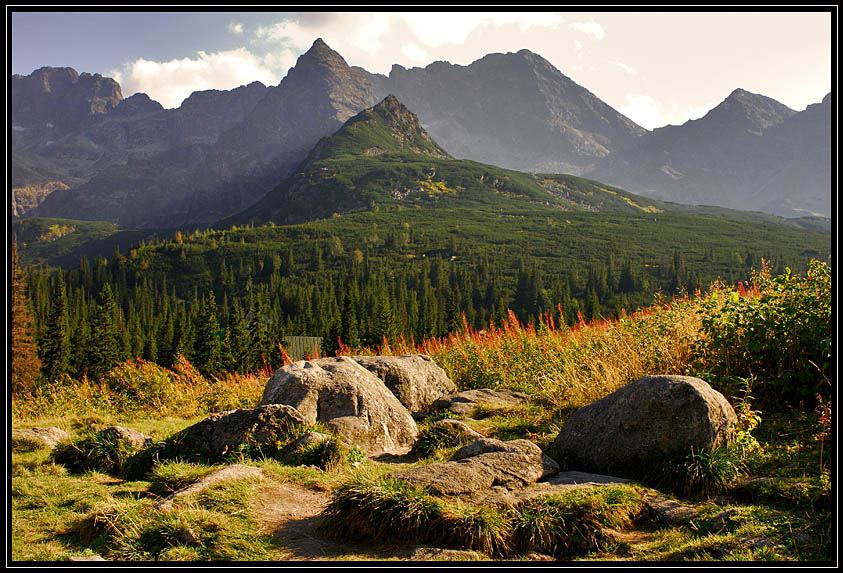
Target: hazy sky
(655, 67)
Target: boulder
(415, 379)
(642, 423)
(481, 465)
(263, 426)
(37, 437)
(348, 398)
(136, 439)
(464, 403)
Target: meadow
(766, 345)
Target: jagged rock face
(512, 110)
(645, 422)
(346, 397)
(750, 152)
(62, 97)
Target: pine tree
(237, 341)
(207, 348)
(26, 365)
(349, 327)
(258, 336)
(55, 338)
(105, 345)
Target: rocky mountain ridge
(132, 162)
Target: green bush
(778, 332)
(437, 437)
(93, 451)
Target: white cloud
(650, 113)
(438, 29)
(415, 53)
(171, 82)
(590, 28)
(628, 69)
(235, 27)
(643, 110)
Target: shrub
(93, 451)
(779, 331)
(571, 523)
(702, 472)
(437, 437)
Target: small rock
(464, 403)
(533, 556)
(135, 438)
(85, 558)
(722, 520)
(668, 510)
(189, 537)
(436, 554)
(308, 439)
(755, 542)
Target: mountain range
(82, 151)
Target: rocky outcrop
(416, 380)
(464, 403)
(644, 422)
(266, 425)
(481, 465)
(346, 397)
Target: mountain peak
(321, 54)
(386, 127)
(742, 107)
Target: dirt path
(290, 513)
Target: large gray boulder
(346, 397)
(265, 425)
(415, 379)
(642, 423)
(481, 465)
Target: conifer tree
(207, 348)
(55, 338)
(237, 341)
(105, 346)
(26, 365)
(349, 327)
(258, 336)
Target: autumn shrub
(777, 331)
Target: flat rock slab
(561, 483)
(43, 437)
(481, 465)
(464, 403)
(228, 473)
(668, 510)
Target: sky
(657, 68)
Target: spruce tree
(26, 365)
(207, 348)
(105, 346)
(55, 338)
(237, 341)
(349, 327)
